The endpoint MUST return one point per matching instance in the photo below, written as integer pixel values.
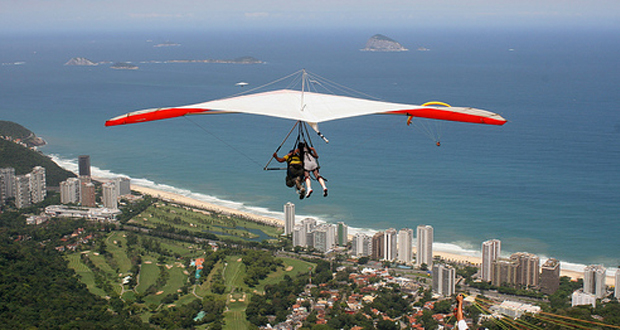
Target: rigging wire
(224, 142)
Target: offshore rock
(381, 43)
(80, 61)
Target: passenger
(294, 170)
(309, 157)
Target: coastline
(189, 201)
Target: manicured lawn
(118, 250)
(148, 275)
(86, 275)
(298, 266)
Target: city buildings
(70, 191)
(324, 237)
(617, 285)
(38, 188)
(490, 252)
(424, 246)
(84, 165)
(550, 276)
(528, 269)
(504, 271)
(361, 245)
(110, 195)
(444, 277)
(7, 184)
(580, 297)
(123, 186)
(521, 269)
(87, 192)
(390, 247)
(405, 245)
(343, 234)
(594, 280)
(289, 218)
(377, 246)
(22, 191)
(27, 189)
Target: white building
(617, 283)
(583, 298)
(123, 186)
(361, 245)
(424, 246)
(444, 279)
(22, 191)
(299, 235)
(342, 237)
(110, 195)
(7, 183)
(289, 218)
(95, 214)
(594, 280)
(516, 309)
(490, 251)
(390, 246)
(324, 237)
(405, 245)
(70, 191)
(38, 188)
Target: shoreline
(189, 201)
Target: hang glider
(312, 108)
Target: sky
(17, 16)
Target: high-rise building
(424, 246)
(22, 191)
(84, 165)
(289, 218)
(594, 280)
(550, 276)
(324, 237)
(504, 271)
(343, 234)
(70, 191)
(617, 285)
(377, 246)
(490, 251)
(123, 186)
(299, 235)
(444, 279)
(110, 197)
(87, 191)
(528, 272)
(405, 245)
(361, 245)
(38, 188)
(390, 244)
(7, 184)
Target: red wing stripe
(433, 113)
(141, 116)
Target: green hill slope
(23, 160)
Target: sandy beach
(180, 199)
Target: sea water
(547, 182)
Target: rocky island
(381, 43)
(81, 61)
(124, 66)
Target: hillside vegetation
(23, 160)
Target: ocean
(547, 182)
